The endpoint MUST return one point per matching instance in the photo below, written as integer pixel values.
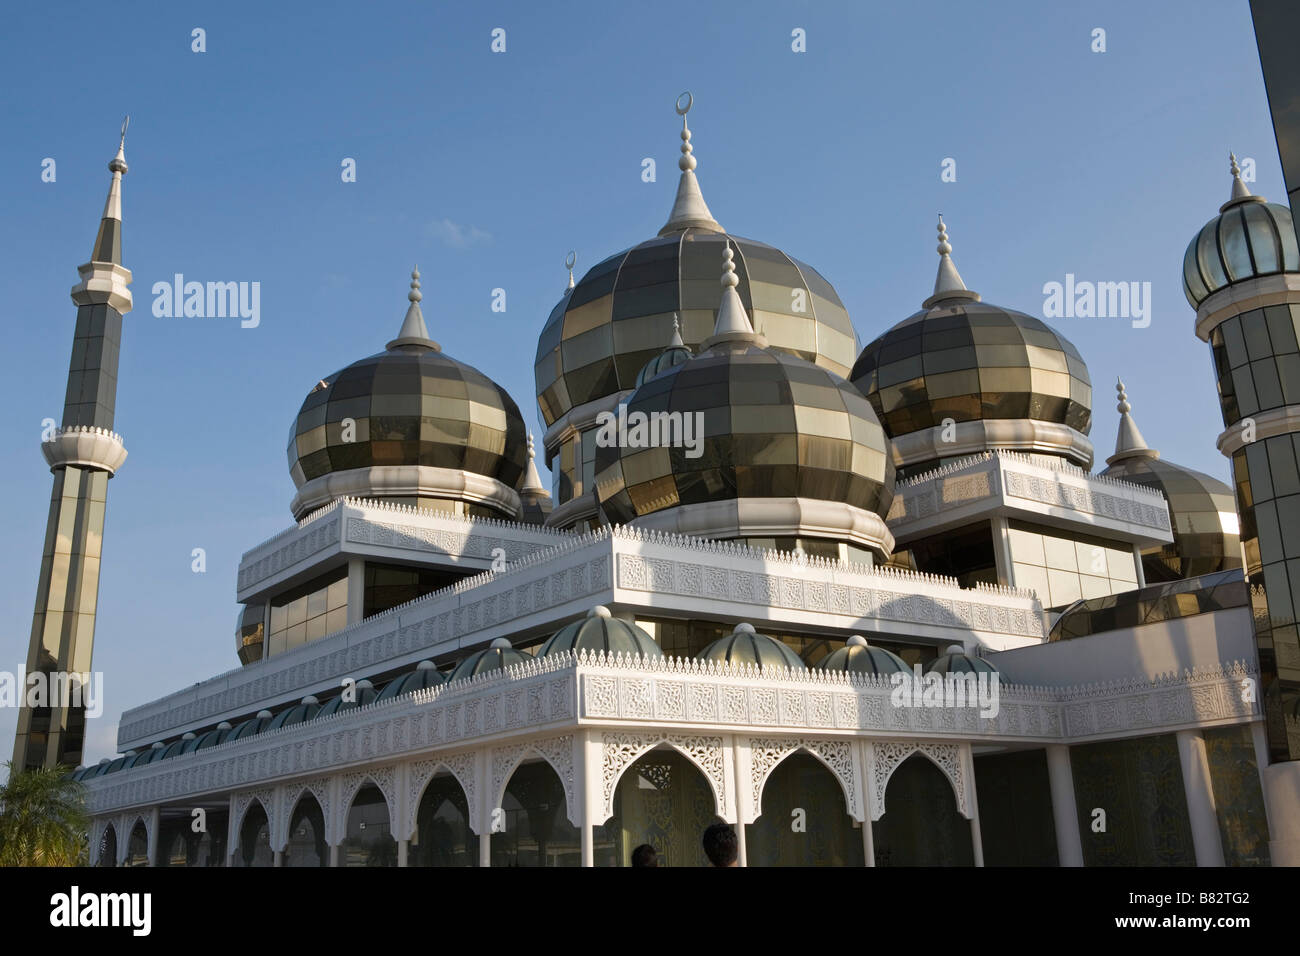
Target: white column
(741, 790)
(334, 854)
(589, 757)
(1065, 812)
(401, 851)
(1200, 798)
(1282, 797)
(155, 822)
(482, 766)
(1137, 566)
(485, 848)
(865, 754)
(1002, 551)
(277, 858)
(976, 838)
(356, 589)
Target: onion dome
(409, 425)
(534, 499)
(601, 631)
(744, 647)
(425, 675)
(674, 355)
(1250, 237)
(1202, 510)
(1005, 379)
(859, 657)
(498, 655)
(614, 321)
(308, 708)
(956, 661)
(742, 440)
(363, 693)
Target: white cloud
(458, 236)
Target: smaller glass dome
(498, 655)
(155, 753)
(956, 661)
(745, 647)
(859, 657)
(252, 726)
(424, 675)
(676, 354)
(365, 694)
(601, 631)
(296, 714)
(1250, 237)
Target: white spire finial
(676, 341)
(569, 262)
(948, 283)
(1129, 442)
(118, 163)
(414, 334)
(689, 209)
(532, 484)
(1239, 190)
(733, 325)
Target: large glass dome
(409, 424)
(968, 361)
(774, 426)
(620, 314)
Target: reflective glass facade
(1167, 601)
(970, 361)
(620, 315)
(773, 426)
(308, 612)
(1257, 360)
(1267, 479)
(409, 408)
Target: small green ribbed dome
(859, 657)
(956, 661)
(496, 656)
(600, 631)
(743, 646)
(425, 675)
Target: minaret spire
(733, 325)
(82, 454)
(1240, 193)
(1129, 442)
(533, 496)
(414, 334)
(689, 209)
(532, 480)
(948, 283)
(676, 341)
(569, 262)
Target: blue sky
(487, 168)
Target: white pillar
(1002, 551)
(485, 848)
(866, 757)
(1137, 566)
(976, 838)
(1282, 796)
(356, 589)
(277, 858)
(1065, 811)
(334, 854)
(589, 755)
(401, 851)
(741, 789)
(1200, 798)
(153, 836)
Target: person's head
(720, 845)
(645, 855)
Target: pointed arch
(947, 757)
(292, 796)
(556, 751)
(384, 780)
(421, 773)
(766, 754)
(619, 751)
(100, 831)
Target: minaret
(533, 495)
(948, 283)
(1241, 273)
(82, 454)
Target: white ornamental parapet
(86, 446)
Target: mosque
(444, 663)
